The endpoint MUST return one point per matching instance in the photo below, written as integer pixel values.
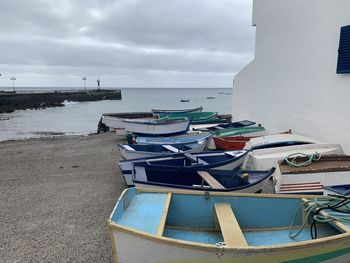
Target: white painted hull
(252, 189)
(264, 159)
(141, 127)
(115, 124)
(276, 138)
(128, 155)
(308, 183)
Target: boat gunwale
(208, 247)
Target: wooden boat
(186, 138)
(262, 159)
(197, 226)
(134, 151)
(163, 111)
(210, 97)
(196, 117)
(183, 162)
(233, 143)
(252, 131)
(311, 179)
(114, 121)
(277, 140)
(236, 180)
(185, 100)
(160, 127)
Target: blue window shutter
(344, 51)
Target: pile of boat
(187, 171)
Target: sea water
(82, 117)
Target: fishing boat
(277, 140)
(251, 130)
(164, 111)
(196, 117)
(114, 121)
(184, 162)
(149, 226)
(186, 138)
(262, 159)
(134, 151)
(236, 180)
(232, 143)
(185, 100)
(159, 127)
(210, 97)
(309, 174)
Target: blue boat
(228, 160)
(239, 180)
(187, 138)
(134, 151)
(149, 226)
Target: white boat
(185, 138)
(328, 170)
(114, 121)
(135, 151)
(277, 140)
(158, 127)
(263, 159)
(148, 226)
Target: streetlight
(84, 79)
(13, 83)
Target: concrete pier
(11, 101)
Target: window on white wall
(343, 65)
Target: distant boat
(210, 97)
(164, 111)
(227, 93)
(185, 100)
(202, 226)
(157, 127)
(134, 151)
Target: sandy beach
(56, 195)
(55, 198)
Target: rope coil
(291, 159)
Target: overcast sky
(128, 43)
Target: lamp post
(84, 79)
(13, 83)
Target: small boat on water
(149, 226)
(194, 161)
(235, 180)
(185, 100)
(210, 97)
(157, 127)
(314, 175)
(185, 138)
(164, 111)
(262, 159)
(134, 151)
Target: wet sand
(56, 196)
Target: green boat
(250, 131)
(195, 116)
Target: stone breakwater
(10, 101)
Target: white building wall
(292, 82)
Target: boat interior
(218, 220)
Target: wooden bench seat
(171, 148)
(164, 216)
(127, 147)
(230, 229)
(210, 180)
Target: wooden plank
(127, 147)
(171, 148)
(210, 180)
(164, 216)
(230, 229)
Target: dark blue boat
(211, 180)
